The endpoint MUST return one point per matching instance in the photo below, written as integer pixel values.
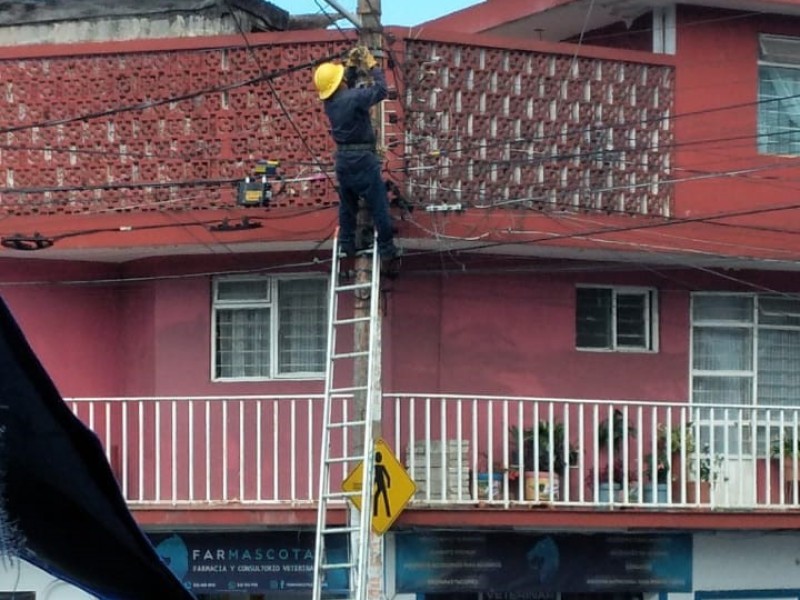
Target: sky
(393, 12)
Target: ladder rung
(346, 390)
(353, 286)
(344, 459)
(355, 354)
(332, 566)
(343, 424)
(342, 495)
(338, 530)
(351, 321)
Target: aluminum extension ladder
(343, 431)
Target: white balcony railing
(463, 450)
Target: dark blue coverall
(358, 169)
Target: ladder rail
(324, 474)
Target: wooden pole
(369, 12)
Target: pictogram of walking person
(382, 484)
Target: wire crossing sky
(393, 12)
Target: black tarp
(61, 508)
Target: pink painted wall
(72, 328)
(479, 334)
(138, 327)
(515, 335)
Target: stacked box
(454, 466)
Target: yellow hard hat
(327, 78)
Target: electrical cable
(220, 182)
(177, 98)
(266, 77)
(581, 131)
(627, 228)
(275, 94)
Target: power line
(639, 226)
(481, 165)
(267, 77)
(275, 94)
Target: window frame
(754, 326)
(748, 445)
(273, 303)
(767, 59)
(651, 318)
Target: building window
(779, 95)
(621, 319)
(745, 352)
(745, 349)
(269, 327)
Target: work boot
(347, 250)
(390, 262)
(390, 253)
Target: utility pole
(369, 12)
(370, 36)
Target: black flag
(60, 506)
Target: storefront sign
(506, 563)
(249, 562)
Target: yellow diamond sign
(391, 491)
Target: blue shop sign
(281, 562)
(505, 563)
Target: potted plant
(657, 467)
(701, 471)
(547, 480)
(787, 450)
(710, 471)
(682, 439)
(683, 446)
(614, 432)
(489, 485)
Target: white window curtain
(746, 352)
(302, 323)
(243, 343)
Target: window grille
(269, 327)
(746, 352)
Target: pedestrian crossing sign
(392, 488)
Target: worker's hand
(360, 57)
(369, 60)
(354, 57)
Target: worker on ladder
(358, 167)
